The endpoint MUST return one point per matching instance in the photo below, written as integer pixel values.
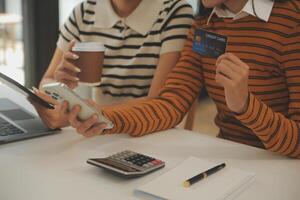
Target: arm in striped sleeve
(168, 109)
(176, 27)
(280, 133)
(70, 29)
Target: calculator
(128, 164)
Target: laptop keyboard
(7, 128)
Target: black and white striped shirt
(133, 44)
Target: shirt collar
(263, 9)
(141, 19)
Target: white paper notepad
(225, 184)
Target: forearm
(162, 112)
(277, 132)
(145, 117)
(49, 75)
(280, 133)
(166, 110)
(130, 102)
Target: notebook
(225, 184)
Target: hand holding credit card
(209, 44)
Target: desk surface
(54, 167)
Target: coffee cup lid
(88, 47)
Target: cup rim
(89, 47)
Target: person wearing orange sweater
(255, 85)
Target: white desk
(54, 168)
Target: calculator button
(156, 162)
(128, 159)
(139, 164)
(146, 165)
(150, 159)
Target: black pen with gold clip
(203, 175)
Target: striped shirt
(133, 44)
(272, 51)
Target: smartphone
(61, 92)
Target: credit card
(209, 44)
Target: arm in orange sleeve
(173, 102)
(280, 133)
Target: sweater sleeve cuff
(110, 116)
(251, 112)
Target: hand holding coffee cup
(82, 63)
(67, 72)
(90, 62)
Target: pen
(203, 175)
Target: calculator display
(128, 163)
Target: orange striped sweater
(272, 51)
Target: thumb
(71, 44)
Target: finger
(91, 102)
(70, 84)
(71, 56)
(71, 44)
(95, 130)
(223, 80)
(75, 123)
(64, 108)
(236, 60)
(242, 70)
(223, 58)
(231, 65)
(220, 58)
(218, 61)
(225, 70)
(88, 124)
(69, 66)
(62, 75)
(73, 117)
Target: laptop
(16, 122)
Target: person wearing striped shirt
(255, 85)
(143, 40)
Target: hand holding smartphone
(61, 92)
